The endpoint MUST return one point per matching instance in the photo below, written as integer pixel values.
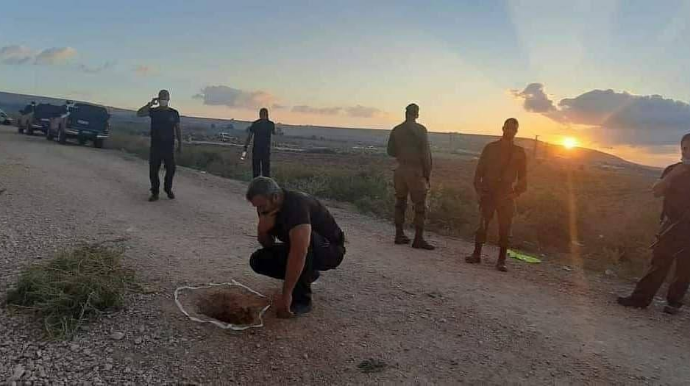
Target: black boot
(476, 256)
(301, 308)
(673, 308)
(629, 301)
(501, 263)
(400, 237)
(419, 242)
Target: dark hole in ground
(372, 366)
(231, 306)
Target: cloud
(364, 112)
(95, 70)
(143, 70)
(616, 117)
(235, 98)
(535, 99)
(317, 110)
(55, 55)
(16, 55)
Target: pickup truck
(83, 121)
(39, 119)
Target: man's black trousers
(165, 156)
(322, 256)
(261, 165)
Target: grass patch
(72, 288)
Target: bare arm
(178, 134)
(144, 111)
(250, 134)
(300, 237)
(266, 223)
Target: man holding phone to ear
(165, 127)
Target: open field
(603, 217)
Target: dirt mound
(231, 306)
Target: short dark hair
(262, 186)
(162, 94)
(686, 137)
(412, 108)
(263, 111)
(511, 120)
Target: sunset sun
(570, 142)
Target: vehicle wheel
(20, 130)
(61, 137)
(82, 141)
(30, 131)
(49, 135)
(98, 143)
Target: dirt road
(430, 317)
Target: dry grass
(72, 288)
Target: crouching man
(309, 241)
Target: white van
(4, 118)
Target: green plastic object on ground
(523, 257)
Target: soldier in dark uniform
(409, 144)
(310, 241)
(165, 127)
(500, 166)
(673, 240)
(261, 130)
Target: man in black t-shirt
(673, 240)
(165, 127)
(261, 130)
(310, 241)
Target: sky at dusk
(612, 74)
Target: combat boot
(629, 301)
(673, 308)
(501, 262)
(400, 237)
(419, 242)
(476, 256)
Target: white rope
(223, 325)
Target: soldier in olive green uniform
(501, 164)
(673, 241)
(409, 144)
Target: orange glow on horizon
(570, 142)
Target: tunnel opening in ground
(231, 305)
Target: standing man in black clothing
(673, 240)
(310, 241)
(165, 127)
(261, 130)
